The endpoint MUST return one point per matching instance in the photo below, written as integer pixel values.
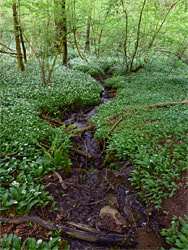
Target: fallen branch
(78, 231)
(53, 121)
(79, 152)
(115, 125)
(9, 155)
(60, 180)
(114, 117)
(168, 103)
(45, 146)
(80, 131)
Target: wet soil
(101, 197)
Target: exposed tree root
(78, 231)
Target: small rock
(111, 220)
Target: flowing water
(92, 187)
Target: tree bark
(87, 43)
(64, 32)
(23, 45)
(61, 28)
(17, 38)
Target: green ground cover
(155, 140)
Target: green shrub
(177, 234)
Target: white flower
(37, 193)
(15, 183)
(24, 192)
(39, 241)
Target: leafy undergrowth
(94, 67)
(22, 162)
(177, 234)
(154, 139)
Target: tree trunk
(87, 43)
(64, 32)
(17, 39)
(61, 28)
(23, 45)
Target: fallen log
(78, 231)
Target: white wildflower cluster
(15, 183)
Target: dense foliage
(143, 45)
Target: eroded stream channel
(99, 197)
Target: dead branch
(53, 121)
(80, 131)
(115, 125)
(78, 231)
(79, 152)
(4, 45)
(9, 155)
(60, 180)
(8, 52)
(45, 146)
(168, 103)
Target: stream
(100, 197)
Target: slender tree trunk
(17, 38)
(61, 28)
(87, 43)
(23, 45)
(138, 36)
(64, 32)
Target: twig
(75, 230)
(115, 125)
(79, 152)
(9, 155)
(60, 180)
(80, 131)
(53, 120)
(45, 146)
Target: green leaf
(15, 193)
(31, 204)
(5, 198)
(16, 242)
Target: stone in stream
(111, 220)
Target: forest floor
(92, 189)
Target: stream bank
(101, 197)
